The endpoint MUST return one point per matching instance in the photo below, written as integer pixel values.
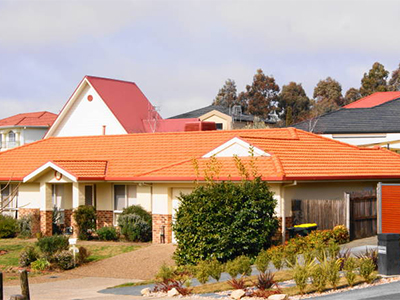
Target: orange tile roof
(295, 154)
(42, 118)
(373, 100)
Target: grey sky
(181, 52)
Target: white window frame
(60, 209)
(116, 212)
(11, 210)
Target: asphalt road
(389, 291)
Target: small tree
(225, 220)
(85, 217)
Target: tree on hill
(227, 95)
(394, 82)
(293, 103)
(375, 80)
(352, 95)
(261, 96)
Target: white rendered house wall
(87, 117)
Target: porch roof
(294, 155)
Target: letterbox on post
(389, 253)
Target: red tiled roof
(295, 155)
(374, 100)
(126, 101)
(83, 169)
(42, 118)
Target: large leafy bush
(49, 245)
(107, 233)
(85, 217)
(134, 228)
(225, 220)
(8, 227)
(136, 223)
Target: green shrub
(319, 277)
(290, 254)
(25, 226)
(65, 260)
(202, 272)
(300, 276)
(138, 210)
(333, 249)
(350, 266)
(28, 256)
(134, 228)
(165, 273)
(241, 265)
(332, 272)
(82, 256)
(215, 269)
(40, 265)
(232, 268)
(108, 233)
(226, 220)
(85, 217)
(367, 268)
(8, 227)
(341, 234)
(276, 253)
(262, 261)
(49, 245)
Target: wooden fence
(363, 215)
(326, 213)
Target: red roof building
(373, 100)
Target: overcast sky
(180, 52)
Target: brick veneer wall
(67, 217)
(46, 222)
(160, 222)
(35, 213)
(104, 218)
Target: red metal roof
(42, 118)
(374, 100)
(126, 101)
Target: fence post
(1, 286)
(24, 284)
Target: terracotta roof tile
(43, 118)
(374, 100)
(295, 154)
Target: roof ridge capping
(110, 79)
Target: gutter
(283, 209)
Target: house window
(9, 199)
(89, 195)
(219, 126)
(58, 203)
(124, 196)
(11, 137)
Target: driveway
(389, 291)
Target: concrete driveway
(72, 289)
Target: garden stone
(145, 292)
(237, 294)
(278, 297)
(173, 292)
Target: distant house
(370, 121)
(24, 128)
(103, 106)
(224, 118)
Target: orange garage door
(389, 208)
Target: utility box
(389, 253)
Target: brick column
(104, 218)
(162, 224)
(46, 222)
(34, 213)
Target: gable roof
(294, 155)
(383, 118)
(124, 99)
(373, 100)
(204, 110)
(34, 119)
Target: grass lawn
(98, 250)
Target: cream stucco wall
(218, 117)
(104, 197)
(29, 195)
